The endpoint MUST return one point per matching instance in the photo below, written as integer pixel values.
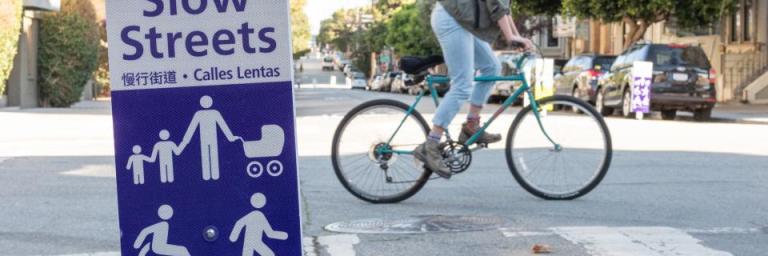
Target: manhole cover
(419, 224)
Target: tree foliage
(536, 7)
(639, 15)
(68, 52)
(10, 17)
(409, 34)
(399, 24)
(300, 28)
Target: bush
(101, 75)
(68, 52)
(10, 17)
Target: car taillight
(593, 73)
(678, 46)
(712, 76)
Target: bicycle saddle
(416, 65)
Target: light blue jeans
(464, 55)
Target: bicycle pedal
(482, 145)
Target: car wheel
(600, 104)
(626, 104)
(668, 114)
(702, 115)
(576, 94)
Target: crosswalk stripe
(647, 241)
(334, 245)
(339, 245)
(93, 254)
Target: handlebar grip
(517, 45)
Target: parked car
(328, 63)
(359, 81)
(503, 89)
(398, 83)
(580, 75)
(389, 77)
(343, 64)
(376, 83)
(683, 80)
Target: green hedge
(101, 75)
(10, 17)
(68, 52)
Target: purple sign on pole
(642, 73)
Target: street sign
(642, 75)
(205, 148)
(564, 26)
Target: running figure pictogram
(256, 225)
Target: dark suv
(683, 80)
(578, 78)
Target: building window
(736, 24)
(748, 20)
(552, 41)
(741, 22)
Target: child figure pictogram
(136, 164)
(165, 150)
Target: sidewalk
(741, 113)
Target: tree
(639, 15)
(536, 7)
(300, 28)
(338, 30)
(10, 16)
(409, 34)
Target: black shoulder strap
(477, 14)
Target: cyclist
(465, 29)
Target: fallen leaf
(541, 249)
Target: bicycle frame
(438, 79)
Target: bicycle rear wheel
(570, 167)
(371, 152)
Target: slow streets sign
(203, 112)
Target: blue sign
(203, 113)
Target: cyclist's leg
(457, 45)
(488, 65)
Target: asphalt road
(674, 188)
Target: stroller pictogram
(270, 145)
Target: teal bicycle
(554, 155)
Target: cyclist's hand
(520, 43)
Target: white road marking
(94, 254)
(339, 245)
(516, 232)
(336, 245)
(309, 246)
(726, 230)
(647, 241)
(101, 171)
(511, 232)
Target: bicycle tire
(601, 171)
(335, 156)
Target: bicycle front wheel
(561, 155)
(372, 152)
